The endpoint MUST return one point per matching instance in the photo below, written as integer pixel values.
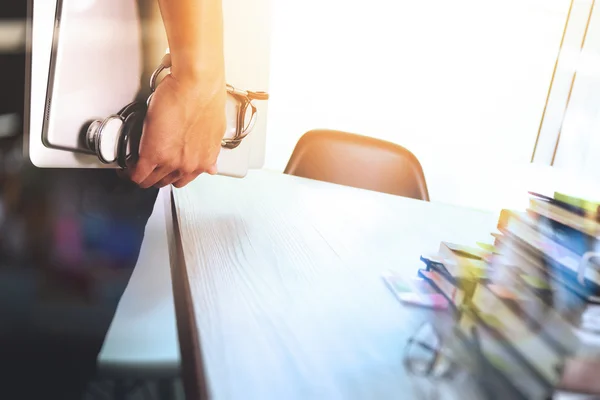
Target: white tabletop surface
(285, 280)
(142, 339)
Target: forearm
(195, 35)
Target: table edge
(192, 367)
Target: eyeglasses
(452, 364)
(425, 356)
(433, 359)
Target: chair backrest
(358, 161)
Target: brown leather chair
(358, 161)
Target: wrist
(199, 84)
(192, 69)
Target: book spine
(563, 291)
(453, 293)
(561, 256)
(576, 241)
(486, 343)
(565, 217)
(536, 352)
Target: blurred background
(472, 87)
(462, 84)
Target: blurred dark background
(69, 240)
(12, 60)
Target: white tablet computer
(88, 59)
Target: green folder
(589, 206)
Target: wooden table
(278, 285)
(142, 339)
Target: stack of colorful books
(529, 294)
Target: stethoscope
(117, 137)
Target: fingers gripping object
(117, 137)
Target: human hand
(182, 133)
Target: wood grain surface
(285, 280)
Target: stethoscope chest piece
(103, 138)
(111, 139)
